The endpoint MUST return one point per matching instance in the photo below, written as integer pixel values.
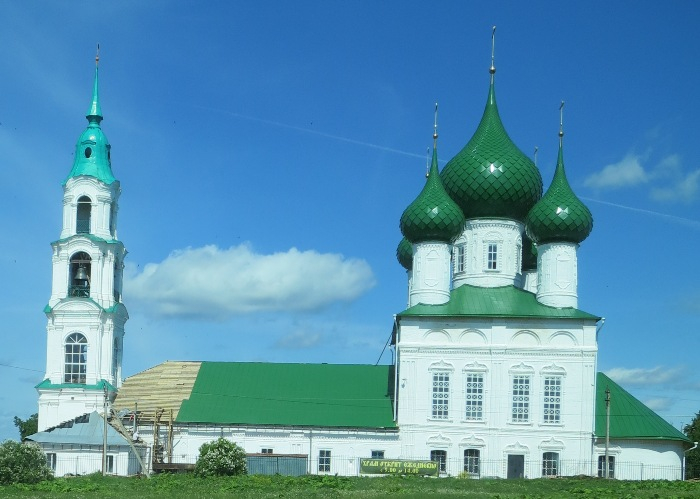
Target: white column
(431, 274)
(557, 274)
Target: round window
(88, 152)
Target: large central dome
(490, 177)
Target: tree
(220, 457)
(27, 427)
(692, 458)
(22, 463)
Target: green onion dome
(490, 177)
(404, 254)
(433, 216)
(559, 216)
(529, 254)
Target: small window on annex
(110, 464)
(266, 451)
(377, 454)
(550, 464)
(324, 461)
(440, 457)
(75, 367)
(83, 215)
(51, 460)
(80, 269)
(471, 461)
(601, 467)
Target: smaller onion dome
(404, 254)
(433, 216)
(559, 216)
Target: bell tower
(86, 317)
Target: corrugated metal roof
(629, 418)
(164, 386)
(87, 429)
(325, 395)
(505, 301)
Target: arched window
(80, 268)
(75, 367)
(83, 215)
(471, 461)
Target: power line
(22, 368)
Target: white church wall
(644, 459)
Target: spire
(95, 112)
(492, 69)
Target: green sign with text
(398, 467)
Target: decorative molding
(475, 366)
(553, 369)
(521, 368)
(552, 445)
(438, 440)
(441, 366)
(516, 448)
(472, 441)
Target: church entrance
(516, 466)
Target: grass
(259, 486)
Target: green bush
(220, 458)
(22, 463)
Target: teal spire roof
(92, 152)
(433, 216)
(404, 254)
(559, 216)
(490, 177)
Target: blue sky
(276, 144)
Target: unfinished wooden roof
(164, 387)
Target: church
(494, 370)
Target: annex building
(495, 371)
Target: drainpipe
(695, 446)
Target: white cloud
(627, 172)
(300, 340)
(659, 404)
(645, 376)
(214, 283)
(686, 189)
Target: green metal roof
(404, 254)
(92, 152)
(505, 301)
(100, 385)
(257, 393)
(490, 176)
(559, 215)
(629, 418)
(433, 216)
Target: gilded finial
(536, 149)
(427, 162)
(492, 69)
(97, 55)
(561, 122)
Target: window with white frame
(266, 450)
(377, 454)
(460, 256)
(440, 395)
(471, 461)
(110, 464)
(324, 461)
(440, 457)
(474, 394)
(75, 367)
(521, 399)
(492, 256)
(551, 410)
(550, 464)
(601, 466)
(51, 460)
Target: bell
(81, 274)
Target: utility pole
(607, 432)
(104, 434)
